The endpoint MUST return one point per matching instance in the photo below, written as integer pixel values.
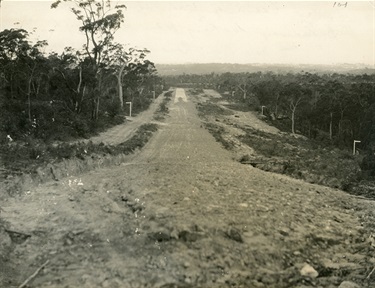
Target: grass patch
(139, 140)
(195, 91)
(239, 107)
(163, 109)
(209, 109)
(217, 132)
(303, 159)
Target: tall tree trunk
(243, 90)
(293, 119)
(330, 126)
(121, 95)
(29, 98)
(98, 92)
(277, 104)
(93, 109)
(29, 82)
(293, 107)
(97, 108)
(80, 79)
(81, 99)
(38, 88)
(120, 91)
(340, 122)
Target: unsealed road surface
(183, 213)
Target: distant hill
(178, 69)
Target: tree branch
(33, 275)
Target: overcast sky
(217, 32)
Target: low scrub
(163, 108)
(212, 109)
(52, 122)
(39, 162)
(196, 91)
(217, 132)
(168, 94)
(306, 159)
(298, 157)
(163, 105)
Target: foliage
(26, 158)
(368, 166)
(99, 22)
(75, 93)
(333, 108)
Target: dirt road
(182, 213)
(123, 132)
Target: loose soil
(121, 133)
(183, 212)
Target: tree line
(71, 94)
(332, 108)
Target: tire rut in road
(182, 213)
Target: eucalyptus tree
(123, 61)
(100, 20)
(293, 96)
(139, 78)
(71, 76)
(268, 93)
(22, 65)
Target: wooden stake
(369, 275)
(33, 275)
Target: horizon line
(265, 63)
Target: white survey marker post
(355, 141)
(130, 108)
(153, 95)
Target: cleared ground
(121, 133)
(183, 213)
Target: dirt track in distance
(123, 132)
(183, 213)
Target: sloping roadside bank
(274, 151)
(55, 162)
